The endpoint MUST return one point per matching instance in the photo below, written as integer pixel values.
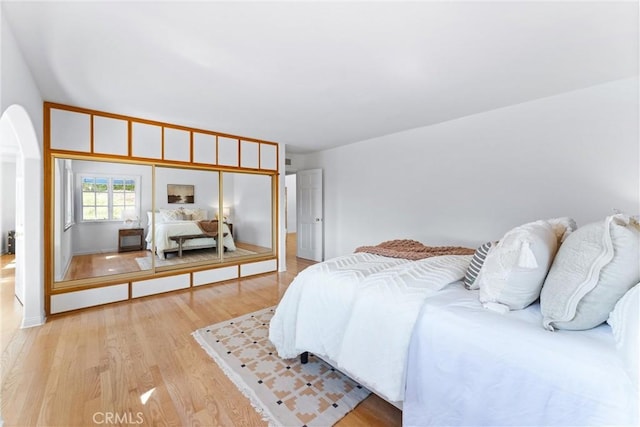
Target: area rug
(284, 391)
(195, 255)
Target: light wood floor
(10, 308)
(107, 263)
(107, 359)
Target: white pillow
(625, 324)
(514, 269)
(197, 214)
(594, 268)
(170, 215)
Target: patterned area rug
(195, 255)
(284, 391)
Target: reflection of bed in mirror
(166, 231)
(88, 249)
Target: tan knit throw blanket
(413, 250)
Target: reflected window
(107, 198)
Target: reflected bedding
(165, 230)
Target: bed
(164, 231)
(489, 350)
(339, 310)
(473, 366)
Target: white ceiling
(315, 75)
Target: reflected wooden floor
(103, 264)
(108, 263)
(139, 357)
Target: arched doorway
(16, 125)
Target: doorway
(290, 213)
(17, 134)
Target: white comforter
(358, 311)
(473, 366)
(164, 230)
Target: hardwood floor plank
(10, 307)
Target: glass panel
(102, 199)
(118, 185)
(118, 199)
(185, 234)
(103, 222)
(248, 209)
(102, 213)
(88, 199)
(118, 212)
(104, 235)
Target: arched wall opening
(16, 123)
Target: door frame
(30, 239)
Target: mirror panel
(146, 141)
(105, 222)
(248, 206)
(98, 229)
(110, 136)
(185, 231)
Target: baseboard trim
(30, 322)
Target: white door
(310, 214)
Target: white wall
(252, 210)
(18, 87)
(292, 219)
(469, 180)
(8, 201)
(205, 190)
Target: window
(106, 198)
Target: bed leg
(304, 358)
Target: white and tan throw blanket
(358, 311)
(412, 249)
(209, 227)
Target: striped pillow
(476, 265)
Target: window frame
(111, 178)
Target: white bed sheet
(472, 366)
(358, 310)
(315, 308)
(376, 339)
(164, 230)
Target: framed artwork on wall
(180, 193)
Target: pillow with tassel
(515, 268)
